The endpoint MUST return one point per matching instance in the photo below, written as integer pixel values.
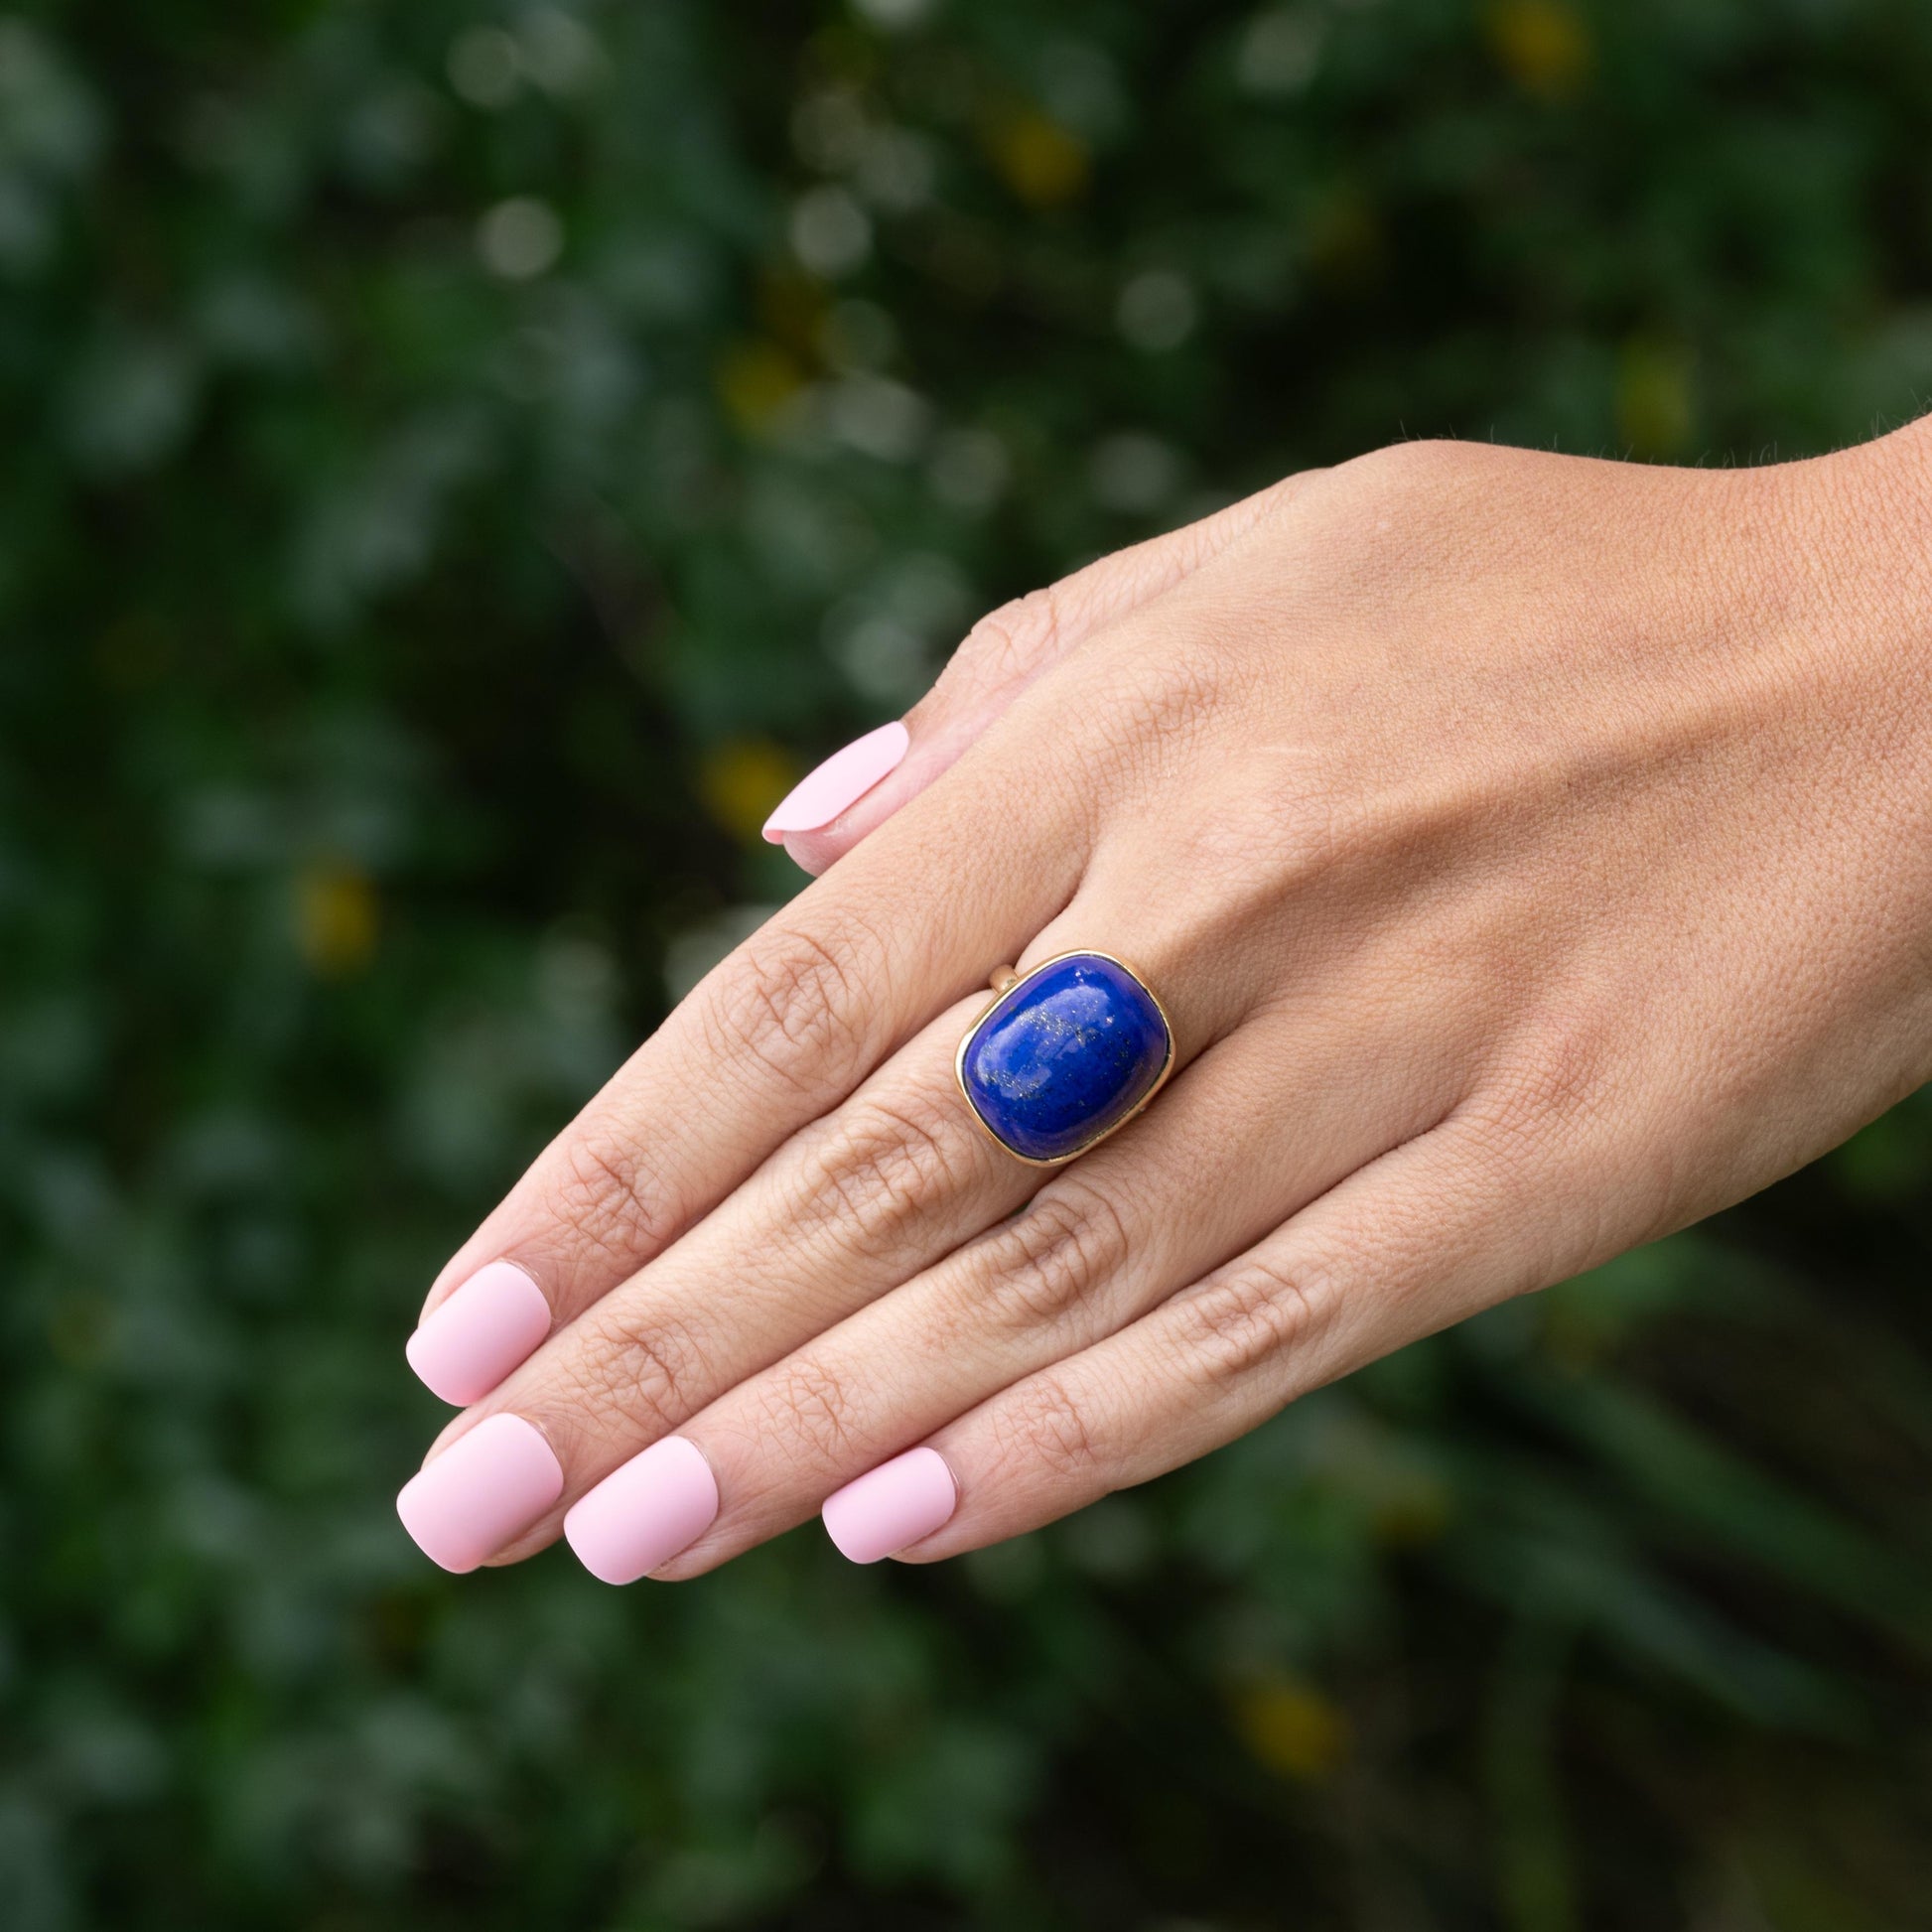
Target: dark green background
(456, 461)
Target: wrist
(1876, 505)
(1834, 555)
(1879, 625)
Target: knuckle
(1007, 644)
(1265, 847)
(1558, 1077)
(1043, 1266)
(1414, 493)
(885, 1164)
(795, 1000)
(1539, 1119)
(1389, 520)
(627, 1376)
(805, 1404)
(1250, 1320)
(1165, 699)
(607, 1196)
(1046, 1427)
(1422, 463)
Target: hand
(1534, 855)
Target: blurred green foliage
(458, 459)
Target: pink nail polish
(471, 1341)
(488, 1486)
(643, 1514)
(839, 783)
(892, 1506)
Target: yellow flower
(1345, 239)
(740, 779)
(335, 918)
(1291, 1727)
(755, 381)
(1412, 1513)
(1542, 43)
(1654, 403)
(78, 1328)
(791, 310)
(1040, 160)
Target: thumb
(834, 806)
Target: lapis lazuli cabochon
(1066, 1053)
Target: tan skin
(1533, 854)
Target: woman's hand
(1533, 853)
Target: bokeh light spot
(521, 239)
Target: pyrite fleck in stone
(1065, 1055)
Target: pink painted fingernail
(469, 1342)
(839, 783)
(486, 1487)
(892, 1506)
(643, 1514)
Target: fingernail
(839, 783)
(643, 1514)
(486, 1487)
(476, 1338)
(892, 1506)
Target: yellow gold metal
(1003, 982)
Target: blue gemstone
(1066, 1053)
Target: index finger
(784, 1029)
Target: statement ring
(1069, 1051)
